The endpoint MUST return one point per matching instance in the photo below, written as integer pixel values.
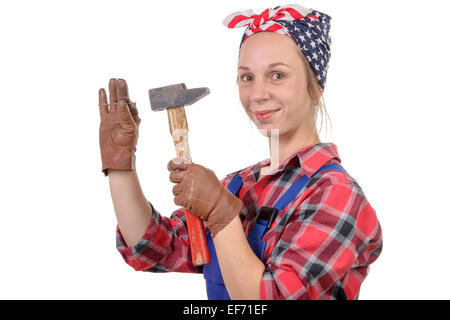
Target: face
(272, 77)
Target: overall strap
(235, 184)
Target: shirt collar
(310, 159)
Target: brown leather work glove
(119, 128)
(198, 190)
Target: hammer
(174, 98)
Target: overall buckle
(265, 213)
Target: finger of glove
(102, 102)
(122, 94)
(177, 190)
(126, 120)
(122, 90)
(113, 101)
(176, 176)
(177, 164)
(180, 201)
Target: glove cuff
(123, 160)
(228, 206)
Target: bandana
(307, 27)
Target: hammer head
(174, 95)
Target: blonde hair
(315, 91)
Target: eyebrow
(270, 65)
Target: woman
(295, 226)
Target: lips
(265, 114)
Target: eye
(243, 77)
(277, 73)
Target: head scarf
(307, 27)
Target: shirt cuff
(280, 284)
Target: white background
(386, 94)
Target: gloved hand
(119, 128)
(198, 190)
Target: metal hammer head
(175, 95)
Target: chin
(269, 131)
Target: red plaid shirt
(319, 247)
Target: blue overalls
(215, 286)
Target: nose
(259, 91)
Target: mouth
(265, 114)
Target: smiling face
(273, 77)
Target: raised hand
(119, 127)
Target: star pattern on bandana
(312, 37)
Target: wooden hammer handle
(179, 130)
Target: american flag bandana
(307, 27)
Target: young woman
(295, 226)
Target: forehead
(266, 48)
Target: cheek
(296, 95)
(243, 94)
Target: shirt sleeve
(326, 249)
(164, 247)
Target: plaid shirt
(319, 247)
